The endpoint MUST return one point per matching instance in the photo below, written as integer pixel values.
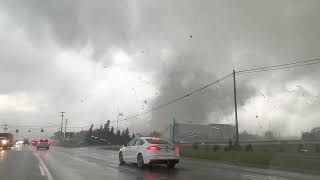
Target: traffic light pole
(65, 129)
(235, 107)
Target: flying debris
(262, 95)
(257, 116)
(190, 36)
(142, 52)
(145, 101)
(291, 91)
(105, 66)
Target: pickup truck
(6, 141)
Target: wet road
(59, 163)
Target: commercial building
(189, 133)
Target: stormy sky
(88, 58)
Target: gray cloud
(156, 35)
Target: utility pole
(173, 126)
(235, 107)
(5, 128)
(65, 129)
(62, 114)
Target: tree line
(105, 134)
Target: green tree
(89, 135)
(155, 134)
(133, 136)
(126, 136)
(118, 138)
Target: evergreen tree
(89, 134)
(133, 136)
(111, 135)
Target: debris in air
(190, 36)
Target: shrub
(236, 148)
(300, 147)
(216, 148)
(249, 147)
(195, 145)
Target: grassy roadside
(271, 156)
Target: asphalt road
(27, 163)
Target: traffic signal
(17, 130)
(42, 130)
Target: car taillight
(153, 148)
(177, 148)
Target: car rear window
(157, 141)
(43, 140)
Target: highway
(58, 163)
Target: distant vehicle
(34, 142)
(25, 141)
(43, 144)
(6, 140)
(19, 143)
(150, 150)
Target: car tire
(140, 161)
(121, 162)
(171, 164)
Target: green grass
(282, 156)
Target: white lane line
(41, 170)
(258, 177)
(47, 172)
(114, 165)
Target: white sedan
(149, 150)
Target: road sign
(69, 135)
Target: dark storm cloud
(182, 77)
(74, 24)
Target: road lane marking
(259, 177)
(44, 167)
(114, 165)
(41, 170)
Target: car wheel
(171, 164)
(140, 161)
(121, 162)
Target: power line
(252, 70)
(178, 99)
(280, 66)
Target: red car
(34, 142)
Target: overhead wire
(280, 66)
(177, 99)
